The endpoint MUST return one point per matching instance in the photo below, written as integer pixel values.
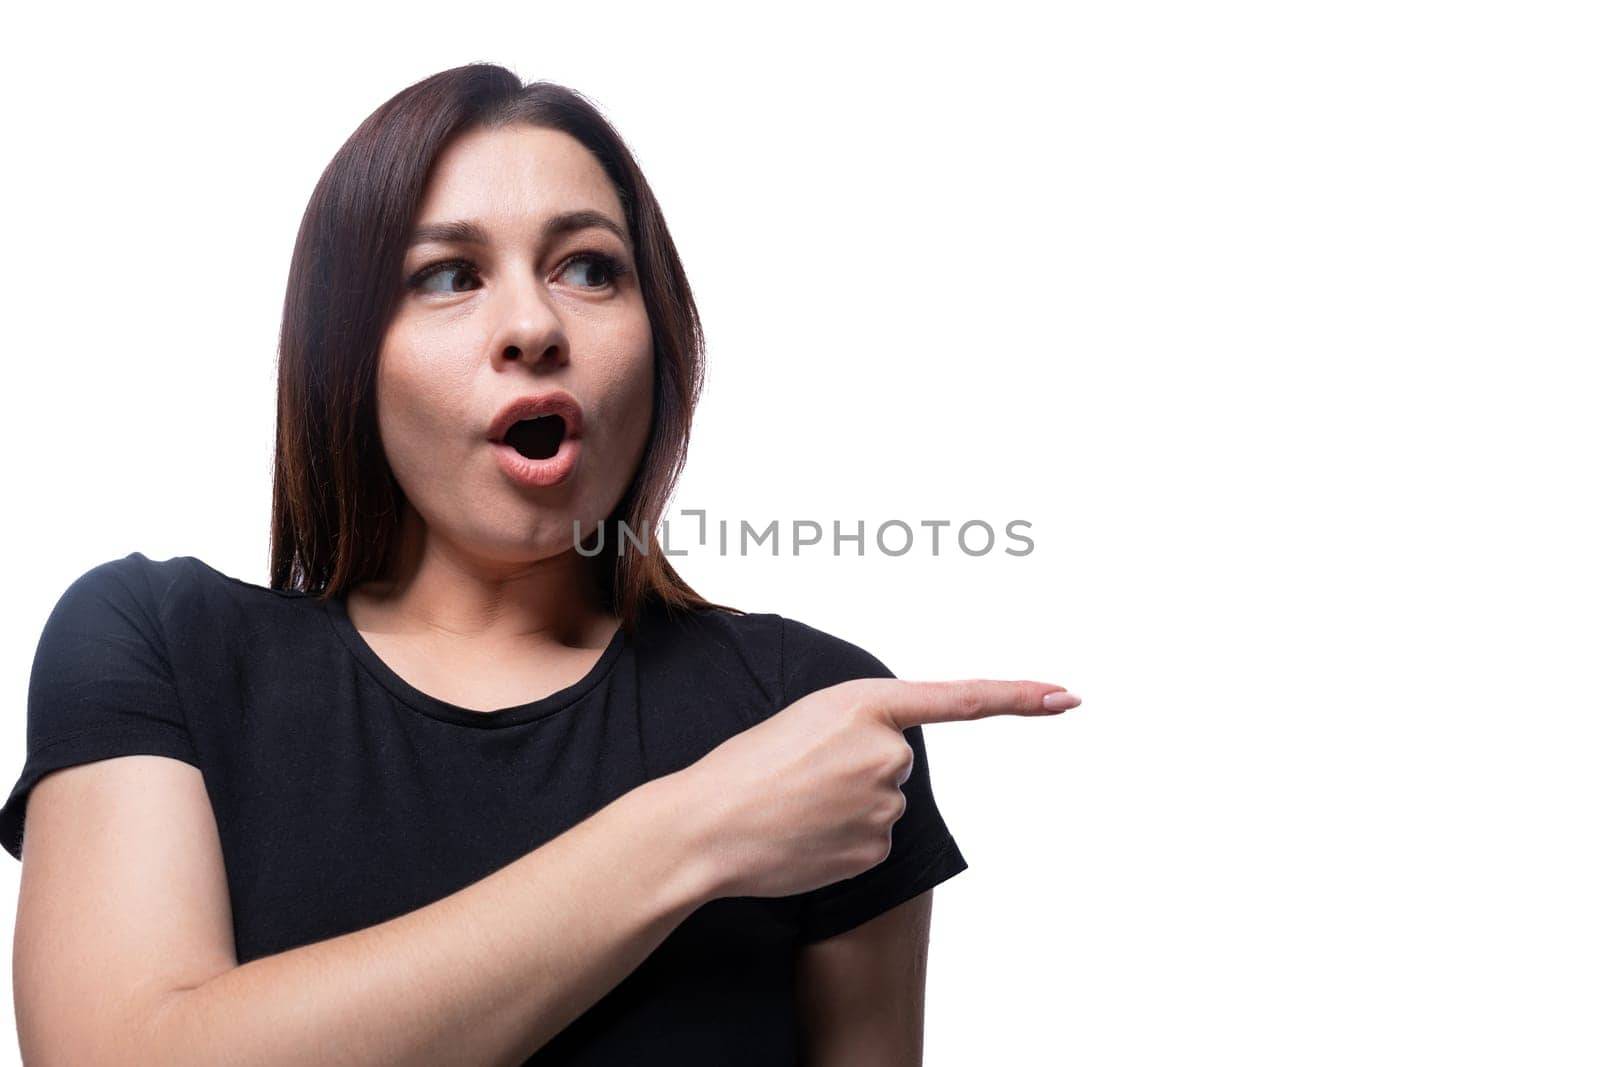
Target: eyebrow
(470, 232)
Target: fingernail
(1061, 701)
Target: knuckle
(890, 809)
(863, 702)
(967, 697)
(870, 854)
(878, 850)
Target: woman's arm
(123, 893)
(859, 995)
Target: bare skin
(491, 605)
(123, 946)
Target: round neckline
(338, 616)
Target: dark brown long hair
(336, 505)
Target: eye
(444, 269)
(594, 270)
(588, 264)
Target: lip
(555, 402)
(539, 473)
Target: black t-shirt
(345, 797)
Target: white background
(1274, 320)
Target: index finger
(911, 703)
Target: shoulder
(714, 640)
(794, 657)
(813, 658)
(152, 593)
(132, 583)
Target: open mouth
(537, 438)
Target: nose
(531, 332)
(550, 354)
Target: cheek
(637, 395)
(625, 397)
(416, 406)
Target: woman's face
(527, 312)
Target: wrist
(678, 818)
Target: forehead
(516, 175)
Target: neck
(439, 588)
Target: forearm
(486, 975)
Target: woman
(463, 786)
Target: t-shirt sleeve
(922, 851)
(101, 684)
